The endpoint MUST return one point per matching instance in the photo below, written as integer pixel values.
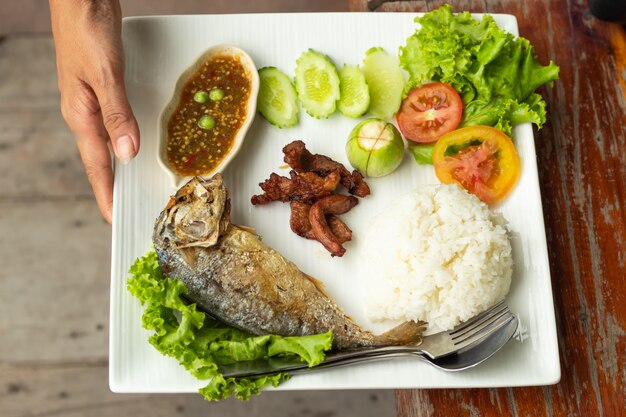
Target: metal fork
(464, 346)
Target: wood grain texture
(81, 389)
(32, 16)
(32, 131)
(582, 171)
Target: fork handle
(351, 360)
(291, 366)
(383, 350)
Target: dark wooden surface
(582, 170)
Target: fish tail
(407, 333)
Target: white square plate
(158, 49)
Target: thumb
(119, 121)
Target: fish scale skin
(246, 284)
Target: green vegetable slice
(386, 82)
(201, 96)
(317, 84)
(206, 122)
(355, 96)
(216, 94)
(277, 100)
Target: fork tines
(486, 322)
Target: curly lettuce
(495, 73)
(200, 343)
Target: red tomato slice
(429, 112)
(480, 159)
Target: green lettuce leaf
(504, 113)
(423, 154)
(307, 347)
(220, 387)
(200, 343)
(495, 73)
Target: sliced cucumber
(386, 82)
(317, 84)
(354, 99)
(277, 100)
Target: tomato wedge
(429, 111)
(481, 159)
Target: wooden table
(582, 170)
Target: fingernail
(124, 149)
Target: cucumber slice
(354, 99)
(277, 100)
(317, 84)
(386, 82)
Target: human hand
(90, 63)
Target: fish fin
(318, 284)
(407, 333)
(246, 228)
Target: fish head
(196, 216)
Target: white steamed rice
(438, 255)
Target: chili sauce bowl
(215, 52)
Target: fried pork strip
(300, 225)
(301, 160)
(334, 204)
(306, 186)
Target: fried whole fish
(241, 281)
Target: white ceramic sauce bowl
(172, 104)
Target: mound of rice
(438, 255)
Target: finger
(80, 110)
(97, 161)
(118, 118)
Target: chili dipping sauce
(212, 109)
